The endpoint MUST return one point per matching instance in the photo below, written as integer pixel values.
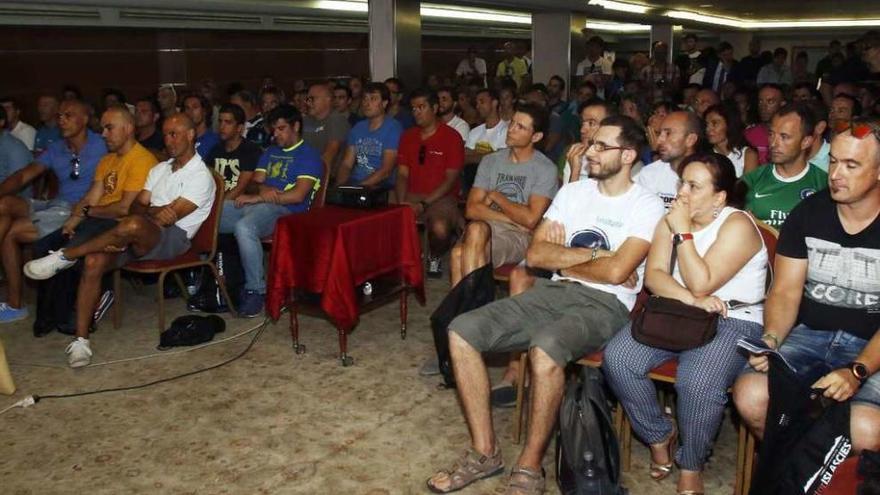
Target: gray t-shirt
(517, 181)
(317, 133)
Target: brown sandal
(472, 466)
(659, 471)
(524, 481)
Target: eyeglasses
(74, 168)
(859, 129)
(600, 146)
(422, 152)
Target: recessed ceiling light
(706, 5)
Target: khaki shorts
(509, 243)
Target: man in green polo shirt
(776, 188)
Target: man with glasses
(177, 197)
(823, 311)
(680, 136)
(428, 166)
(73, 161)
(594, 237)
(324, 129)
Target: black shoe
(43, 327)
(503, 396)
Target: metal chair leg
(403, 312)
(161, 296)
(117, 293)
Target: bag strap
(672, 257)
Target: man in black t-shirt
(233, 157)
(824, 306)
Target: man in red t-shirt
(430, 158)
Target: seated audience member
(323, 129)
(776, 72)
(287, 177)
(166, 96)
(817, 155)
(592, 113)
(822, 312)
(659, 111)
(146, 121)
(512, 190)
(48, 132)
(118, 180)
(488, 137)
(552, 143)
(233, 157)
(112, 97)
(704, 99)
(466, 109)
(555, 95)
(371, 149)
(24, 220)
(844, 108)
(208, 89)
(14, 155)
(356, 85)
(253, 126)
(720, 257)
(680, 136)
(803, 92)
(300, 100)
(428, 165)
(595, 236)
(19, 129)
(198, 109)
(446, 112)
(270, 98)
(770, 99)
(342, 104)
(774, 189)
(396, 107)
(724, 131)
(506, 101)
(176, 199)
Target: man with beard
(681, 134)
(446, 111)
(770, 99)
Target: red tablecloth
(332, 250)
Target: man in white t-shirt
(488, 137)
(177, 197)
(595, 62)
(446, 111)
(24, 132)
(592, 113)
(471, 67)
(680, 135)
(595, 237)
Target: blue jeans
(815, 353)
(250, 224)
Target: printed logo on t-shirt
(512, 187)
(110, 181)
(229, 168)
(843, 277)
(590, 238)
(805, 193)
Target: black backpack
(209, 298)
(585, 425)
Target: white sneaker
(47, 266)
(79, 353)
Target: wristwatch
(594, 254)
(678, 238)
(860, 371)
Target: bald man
(177, 197)
(23, 220)
(119, 178)
(324, 129)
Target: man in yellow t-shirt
(512, 66)
(119, 178)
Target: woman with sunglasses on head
(718, 256)
(724, 131)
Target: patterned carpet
(272, 422)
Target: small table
(322, 257)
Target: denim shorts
(815, 353)
(48, 215)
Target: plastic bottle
(368, 289)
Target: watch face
(860, 370)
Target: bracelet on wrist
(772, 337)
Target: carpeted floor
(270, 422)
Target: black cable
(38, 398)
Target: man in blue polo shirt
(73, 160)
(198, 109)
(286, 179)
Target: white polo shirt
(192, 182)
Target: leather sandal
(470, 467)
(524, 481)
(659, 471)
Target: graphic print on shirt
(367, 147)
(512, 187)
(110, 181)
(843, 277)
(229, 169)
(590, 238)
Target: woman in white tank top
(724, 131)
(720, 257)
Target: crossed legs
(16, 229)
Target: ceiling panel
(777, 9)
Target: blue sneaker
(251, 304)
(8, 314)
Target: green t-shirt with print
(771, 197)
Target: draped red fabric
(332, 250)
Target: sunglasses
(859, 129)
(74, 168)
(422, 153)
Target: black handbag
(672, 325)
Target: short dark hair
(556, 77)
(246, 96)
(236, 111)
(631, 133)
(780, 52)
(73, 89)
(588, 84)
(724, 46)
(447, 89)
(491, 92)
(538, 114)
(857, 106)
(397, 82)
(690, 36)
(723, 175)
(114, 92)
(154, 105)
(203, 102)
(539, 87)
(610, 109)
(9, 99)
(377, 87)
(287, 112)
(775, 86)
(343, 87)
(426, 94)
(808, 120)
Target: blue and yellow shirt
(283, 166)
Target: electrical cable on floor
(33, 399)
